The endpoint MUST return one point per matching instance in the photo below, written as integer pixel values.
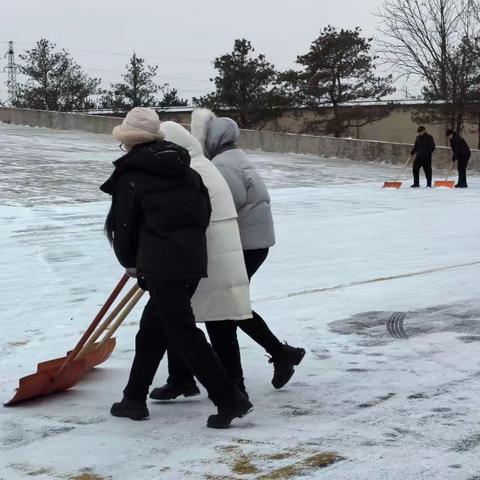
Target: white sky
(182, 37)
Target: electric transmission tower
(11, 69)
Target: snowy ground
(378, 396)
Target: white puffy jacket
(225, 293)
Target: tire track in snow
(395, 326)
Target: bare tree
(437, 41)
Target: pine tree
(55, 81)
(171, 99)
(248, 85)
(138, 88)
(338, 71)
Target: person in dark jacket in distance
(219, 137)
(157, 222)
(422, 156)
(461, 154)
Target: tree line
(436, 42)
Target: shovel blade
(97, 355)
(49, 364)
(392, 184)
(444, 183)
(47, 381)
(94, 357)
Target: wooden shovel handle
(449, 171)
(105, 324)
(134, 300)
(403, 169)
(73, 354)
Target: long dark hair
(108, 227)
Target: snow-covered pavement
(380, 286)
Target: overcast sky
(181, 37)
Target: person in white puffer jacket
(224, 296)
(219, 138)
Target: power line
(159, 76)
(123, 54)
(167, 77)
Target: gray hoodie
(249, 192)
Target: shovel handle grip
(72, 355)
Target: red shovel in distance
(396, 183)
(445, 183)
(63, 373)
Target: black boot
(461, 186)
(237, 407)
(171, 392)
(133, 409)
(283, 363)
(414, 186)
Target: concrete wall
(58, 120)
(343, 148)
(398, 126)
(352, 149)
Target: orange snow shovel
(445, 183)
(91, 351)
(63, 373)
(396, 183)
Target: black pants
(168, 320)
(462, 171)
(255, 327)
(223, 335)
(426, 164)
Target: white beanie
(141, 125)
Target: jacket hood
(175, 133)
(200, 125)
(162, 159)
(215, 134)
(222, 135)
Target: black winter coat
(460, 148)
(160, 212)
(424, 146)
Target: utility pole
(11, 69)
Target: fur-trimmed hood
(215, 134)
(202, 119)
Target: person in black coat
(422, 156)
(461, 154)
(157, 226)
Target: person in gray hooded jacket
(249, 192)
(219, 137)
